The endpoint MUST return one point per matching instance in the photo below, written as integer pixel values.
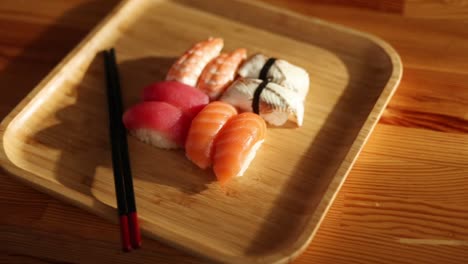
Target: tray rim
(115, 17)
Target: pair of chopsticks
(129, 228)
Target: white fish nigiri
(281, 72)
(277, 105)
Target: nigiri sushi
(236, 145)
(277, 71)
(220, 72)
(203, 130)
(276, 104)
(189, 66)
(189, 99)
(158, 123)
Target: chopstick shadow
(314, 172)
(82, 132)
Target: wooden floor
(405, 201)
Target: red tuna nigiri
(205, 126)
(158, 123)
(189, 99)
(236, 145)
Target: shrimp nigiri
(203, 130)
(220, 72)
(237, 144)
(190, 65)
(158, 123)
(189, 99)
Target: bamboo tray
(56, 139)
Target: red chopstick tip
(135, 235)
(125, 234)
(126, 248)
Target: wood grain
(435, 9)
(417, 166)
(394, 6)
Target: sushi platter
(340, 81)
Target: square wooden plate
(56, 139)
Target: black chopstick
(129, 227)
(135, 236)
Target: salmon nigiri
(189, 99)
(203, 130)
(220, 72)
(190, 65)
(158, 123)
(236, 145)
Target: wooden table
(405, 201)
